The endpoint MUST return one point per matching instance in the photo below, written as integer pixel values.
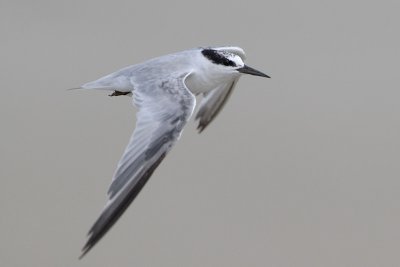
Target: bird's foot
(117, 93)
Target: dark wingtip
(88, 246)
(84, 251)
(201, 127)
(108, 217)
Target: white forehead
(231, 50)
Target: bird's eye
(218, 57)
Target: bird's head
(229, 60)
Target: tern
(164, 90)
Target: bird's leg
(117, 93)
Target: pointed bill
(248, 70)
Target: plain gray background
(299, 170)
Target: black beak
(247, 70)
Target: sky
(298, 170)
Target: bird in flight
(164, 90)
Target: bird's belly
(198, 85)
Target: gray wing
(212, 104)
(164, 108)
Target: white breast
(207, 76)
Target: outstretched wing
(164, 108)
(212, 104)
